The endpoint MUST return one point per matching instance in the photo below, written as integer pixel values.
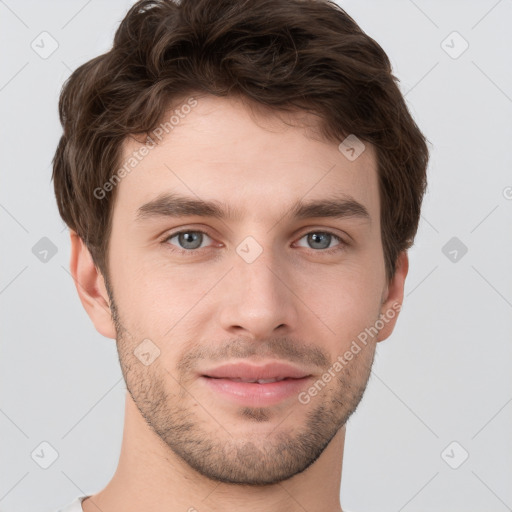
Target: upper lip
(247, 371)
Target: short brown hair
(280, 54)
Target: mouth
(256, 386)
(248, 372)
(259, 381)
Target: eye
(188, 240)
(322, 240)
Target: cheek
(346, 299)
(153, 296)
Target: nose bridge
(259, 301)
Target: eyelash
(192, 252)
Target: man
(241, 180)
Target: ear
(90, 286)
(393, 297)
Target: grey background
(443, 376)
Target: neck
(150, 477)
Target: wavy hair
(283, 55)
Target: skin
(184, 446)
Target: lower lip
(257, 395)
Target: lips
(255, 385)
(262, 374)
(259, 381)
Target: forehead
(218, 149)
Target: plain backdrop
(433, 430)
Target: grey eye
(320, 239)
(189, 240)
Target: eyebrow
(175, 205)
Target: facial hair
(190, 430)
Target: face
(259, 284)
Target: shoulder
(74, 506)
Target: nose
(258, 300)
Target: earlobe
(90, 286)
(393, 299)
